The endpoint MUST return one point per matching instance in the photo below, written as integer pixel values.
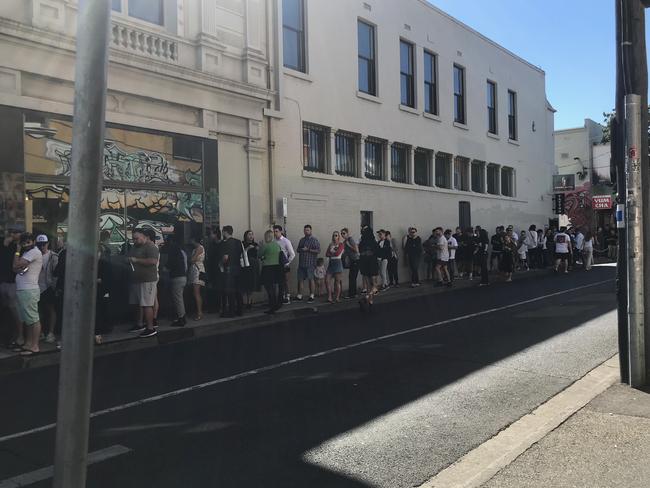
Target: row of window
(295, 58)
(440, 170)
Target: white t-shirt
(580, 240)
(562, 243)
(29, 280)
(442, 251)
(588, 245)
(452, 243)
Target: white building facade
(394, 113)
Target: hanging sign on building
(564, 183)
(601, 202)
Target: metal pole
(634, 144)
(75, 377)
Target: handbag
(243, 259)
(284, 260)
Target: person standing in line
(197, 274)
(319, 277)
(383, 256)
(465, 254)
(522, 250)
(393, 261)
(351, 261)
(442, 258)
(497, 248)
(453, 247)
(27, 265)
(232, 251)
(369, 262)
(429, 247)
(580, 241)
(308, 251)
(250, 274)
(47, 284)
(272, 272)
(289, 253)
(588, 251)
(334, 268)
(531, 243)
(213, 268)
(541, 249)
(13, 324)
(143, 256)
(482, 252)
(177, 266)
(562, 250)
(413, 252)
(507, 264)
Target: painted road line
(327, 352)
(47, 473)
(482, 463)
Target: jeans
(383, 271)
(414, 265)
(393, 277)
(178, 286)
(352, 278)
(453, 270)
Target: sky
(573, 41)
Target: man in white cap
(47, 284)
(27, 265)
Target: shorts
(27, 301)
(8, 296)
(143, 294)
(48, 297)
(305, 273)
(440, 262)
(563, 256)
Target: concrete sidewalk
(604, 445)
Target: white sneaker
(51, 338)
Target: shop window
(461, 173)
(478, 176)
(314, 147)
(422, 167)
(374, 159)
(493, 179)
(443, 170)
(346, 154)
(399, 163)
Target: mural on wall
(120, 211)
(130, 156)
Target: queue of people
(223, 274)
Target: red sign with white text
(601, 202)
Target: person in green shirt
(271, 271)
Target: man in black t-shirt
(11, 329)
(497, 248)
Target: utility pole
(633, 75)
(75, 375)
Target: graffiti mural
(129, 156)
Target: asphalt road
(375, 412)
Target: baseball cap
(41, 238)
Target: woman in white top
(197, 275)
(588, 251)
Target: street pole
(635, 239)
(618, 175)
(75, 374)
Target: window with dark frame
(422, 167)
(478, 176)
(293, 34)
(374, 163)
(492, 107)
(461, 173)
(346, 154)
(493, 179)
(367, 63)
(507, 182)
(187, 148)
(399, 163)
(512, 115)
(407, 86)
(443, 170)
(430, 83)
(459, 94)
(147, 10)
(314, 148)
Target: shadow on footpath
(255, 431)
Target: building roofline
(481, 36)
